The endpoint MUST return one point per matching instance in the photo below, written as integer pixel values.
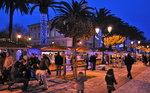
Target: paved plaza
(95, 83)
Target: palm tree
(102, 19)
(43, 8)
(9, 6)
(73, 20)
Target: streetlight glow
(18, 36)
(109, 29)
(52, 42)
(97, 30)
(29, 38)
(80, 42)
(147, 46)
(132, 42)
(139, 42)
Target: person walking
(145, 60)
(86, 59)
(149, 59)
(93, 61)
(42, 71)
(80, 82)
(8, 63)
(1, 68)
(59, 63)
(129, 62)
(110, 80)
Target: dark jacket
(44, 64)
(128, 60)
(93, 58)
(17, 71)
(145, 59)
(1, 63)
(110, 79)
(58, 60)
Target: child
(110, 80)
(80, 82)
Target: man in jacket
(1, 67)
(18, 75)
(59, 63)
(41, 73)
(8, 63)
(93, 61)
(129, 62)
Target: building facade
(55, 38)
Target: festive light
(114, 40)
(43, 30)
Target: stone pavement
(94, 84)
(139, 84)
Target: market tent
(54, 48)
(10, 45)
(142, 48)
(82, 49)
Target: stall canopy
(142, 48)
(81, 49)
(10, 45)
(54, 48)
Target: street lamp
(18, 37)
(97, 30)
(109, 28)
(80, 42)
(139, 42)
(53, 43)
(147, 46)
(29, 38)
(132, 42)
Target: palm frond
(32, 9)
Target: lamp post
(18, 38)
(139, 42)
(147, 46)
(28, 40)
(132, 42)
(80, 43)
(109, 28)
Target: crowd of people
(32, 67)
(23, 69)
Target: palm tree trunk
(10, 22)
(43, 29)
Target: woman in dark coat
(1, 67)
(145, 61)
(110, 80)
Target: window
(52, 33)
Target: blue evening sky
(135, 12)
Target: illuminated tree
(43, 8)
